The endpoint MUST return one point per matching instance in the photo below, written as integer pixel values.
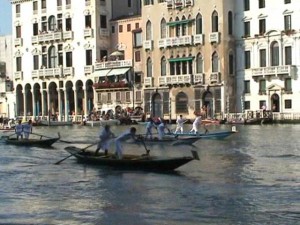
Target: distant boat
(31, 142)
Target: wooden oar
(147, 150)
(41, 135)
(82, 150)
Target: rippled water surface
(252, 177)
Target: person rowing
(150, 124)
(27, 129)
(19, 130)
(161, 130)
(180, 121)
(105, 136)
(128, 134)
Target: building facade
(57, 50)
(189, 53)
(7, 97)
(267, 46)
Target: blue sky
(5, 17)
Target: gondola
(31, 141)
(170, 140)
(131, 162)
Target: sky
(5, 17)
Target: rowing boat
(132, 162)
(207, 135)
(31, 142)
(169, 140)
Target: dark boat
(168, 141)
(32, 142)
(132, 162)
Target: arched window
(181, 103)
(274, 54)
(199, 63)
(215, 62)
(230, 64)
(190, 65)
(214, 22)
(178, 28)
(178, 66)
(52, 23)
(148, 31)
(183, 27)
(163, 66)
(184, 66)
(149, 67)
(199, 27)
(230, 23)
(52, 57)
(163, 29)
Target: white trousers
(119, 149)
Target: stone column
(59, 105)
(85, 102)
(66, 105)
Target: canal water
(252, 177)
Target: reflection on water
(249, 178)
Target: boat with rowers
(133, 162)
(37, 142)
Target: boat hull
(32, 142)
(132, 162)
(55, 123)
(209, 135)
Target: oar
(147, 150)
(82, 150)
(41, 135)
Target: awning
(181, 59)
(101, 73)
(118, 71)
(179, 22)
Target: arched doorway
(80, 97)
(37, 99)
(208, 104)
(90, 95)
(275, 103)
(28, 101)
(19, 101)
(70, 106)
(157, 105)
(53, 100)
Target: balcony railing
(215, 77)
(18, 75)
(214, 37)
(175, 79)
(288, 70)
(113, 64)
(148, 82)
(68, 35)
(104, 32)
(108, 85)
(18, 41)
(199, 39)
(68, 71)
(88, 69)
(47, 37)
(48, 73)
(198, 78)
(148, 44)
(177, 41)
(88, 32)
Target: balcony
(18, 41)
(69, 6)
(198, 78)
(88, 32)
(35, 74)
(175, 79)
(215, 77)
(178, 3)
(18, 75)
(189, 2)
(288, 70)
(214, 37)
(199, 39)
(107, 85)
(68, 35)
(175, 41)
(169, 4)
(148, 44)
(148, 81)
(50, 73)
(68, 71)
(46, 37)
(88, 69)
(104, 32)
(87, 3)
(113, 64)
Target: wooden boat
(55, 123)
(31, 141)
(168, 141)
(208, 135)
(132, 162)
